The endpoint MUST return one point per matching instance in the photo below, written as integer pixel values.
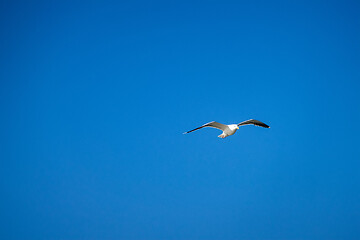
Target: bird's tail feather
(222, 135)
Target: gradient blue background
(95, 97)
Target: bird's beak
(237, 127)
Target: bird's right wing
(212, 124)
(254, 122)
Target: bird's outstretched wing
(212, 124)
(254, 122)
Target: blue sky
(95, 97)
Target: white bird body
(229, 130)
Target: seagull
(229, 130)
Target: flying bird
(229, 130)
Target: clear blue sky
(95, 96)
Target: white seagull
(229, 130)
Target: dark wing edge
(254, 122)
(205, 125)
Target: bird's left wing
(212, 124)
(254, 122)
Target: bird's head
(234, 126)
